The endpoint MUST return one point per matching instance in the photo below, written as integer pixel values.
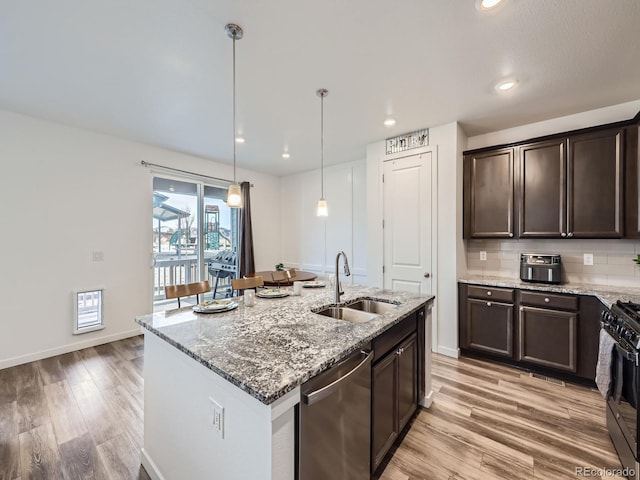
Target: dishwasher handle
(317, 395)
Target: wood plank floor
(74, 416)
(494, 422)
(80, 416)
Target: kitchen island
(221, 389)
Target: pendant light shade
(234, 197)
(322, 210)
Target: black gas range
(622, 322)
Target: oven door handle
(628, 354)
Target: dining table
(270, 277)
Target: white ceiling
(159, 71)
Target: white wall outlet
(483, 256)
(97, 256)
(588, 258)
(217, 417)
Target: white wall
(67, 192)
(612, 258)
(448, 141)
(311, 243)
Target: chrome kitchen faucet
(347, 272)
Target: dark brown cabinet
(552, 332)
(489, 194)
(594, 184)
(632, 183)
(395, 383)
(567, 186)
(548, 330)
(542, 199)
(488, 321)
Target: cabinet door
(490, 327)
(488, 194)
(542, 198)
(547, 337)
(632, 185)
(594, 185)
(407, 380)
(384, 408)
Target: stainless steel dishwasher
(335, 422)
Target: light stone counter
(269, 349)
(606, 294)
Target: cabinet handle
(488, 304)
(489, 293)
(570, 234)
(563, 234)
(400, 351)
(546, 300)
(510, 235)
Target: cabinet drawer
(541, 299)
(393, 336)
(491, 293)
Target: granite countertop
(606, 294)
(269, 349)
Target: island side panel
(180, 440)
(428, 396)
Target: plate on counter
(314, 284)
(272, 293)
(215, 306)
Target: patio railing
(175, 271)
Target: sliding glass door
(192, 229)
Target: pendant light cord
(322, 147)
(234, 109)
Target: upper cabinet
(488, 194)
(568, 186)
(594, 185)
(542, 198)
(632, 183)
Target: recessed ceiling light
(487, 4)
(389, 122)
(239, 139)
(286, 155)
(506, 85)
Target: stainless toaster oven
(540, 267)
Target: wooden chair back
(244, 283)
(283, 275)
(186, 290)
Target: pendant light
(322, 203)
(234, 196)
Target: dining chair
(186, 290)
(245, 283)
(284, 276)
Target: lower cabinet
(547, 337)
(395, 385)
(551, 332)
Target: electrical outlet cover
(483, 255)
(588, 258)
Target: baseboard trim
(32, 357)
(150, 466)
(427, 400)
(449, 352)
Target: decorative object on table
(322, 211)
(234, 195)
(297, 288)
(637, 259)
(407, 141)
(314, 284)
(272, 293)
(249, 298)
(215, 306)
(279, 267)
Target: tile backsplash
(612, 259)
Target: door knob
(427, 275)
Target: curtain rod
(149, 164)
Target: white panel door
(407, 223)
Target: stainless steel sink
(371, 306)
(347, 314)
